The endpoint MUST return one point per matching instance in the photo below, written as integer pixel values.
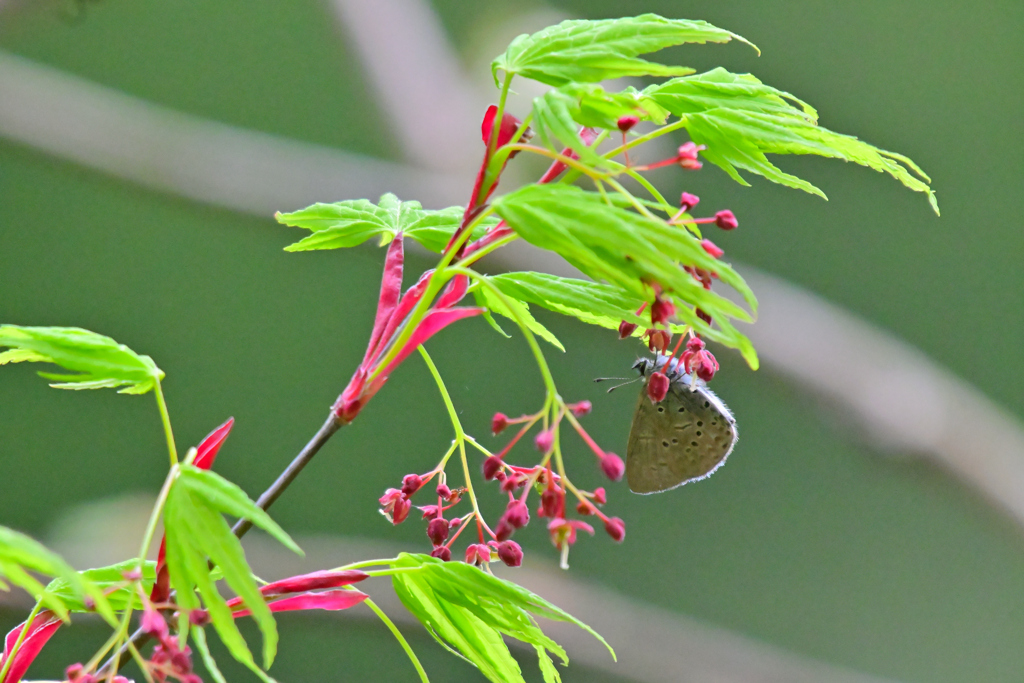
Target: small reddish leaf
(433, 323)
(313, 581)
(206, 451)
(509, 125)
(39, 632)
(408, 302)
(328, 600)
(455, 291)
(390, 290)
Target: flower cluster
(695, 360)
(516, 482)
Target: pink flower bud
(657, 387)
(429, 511)
(517, 514)
(437, 530)
(612, 466)
(498, 423)
(123, 679)
(510, 553)
(199, 617)
(443, 490)
(600, 497)
(454, 522)
(687, 201)
(694, 344)
(584, 508)
(626, 329)
(511, 483)
(580, 409)
(544, 441)
(626, 122)
(411, 483)
(726, 220)
(616, 528)
(74, 672)
(687, 156)
(661, 311)
(712, 248)
(153, 623)
(132, 575)
(442, 553)
(478, 553)
(492, 466)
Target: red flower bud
(442, 553)
(616, 528)
(498, 423)
(510, 553)
(712, 248)
(492, 466)
(550, 502)
(580, 409)
(74, 672)
(694, 344)
(199, 617)
(657, 387)
(401, 511)
(661, 311)
(504, 530)
(443, 491)
(626, 329)
(687, 156)
(454, 522)
(544, 441)
(687, 201)
(612, 466)
(517, 514)
(411, 483)
(708, 366)
(437, 530)
(584, 508)
(599, 496)
(626, 122)
(726, 220)
(658, 340)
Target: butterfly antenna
(624, 383)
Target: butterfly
(683, 438)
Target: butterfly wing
(684, 438)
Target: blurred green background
(808, 540)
